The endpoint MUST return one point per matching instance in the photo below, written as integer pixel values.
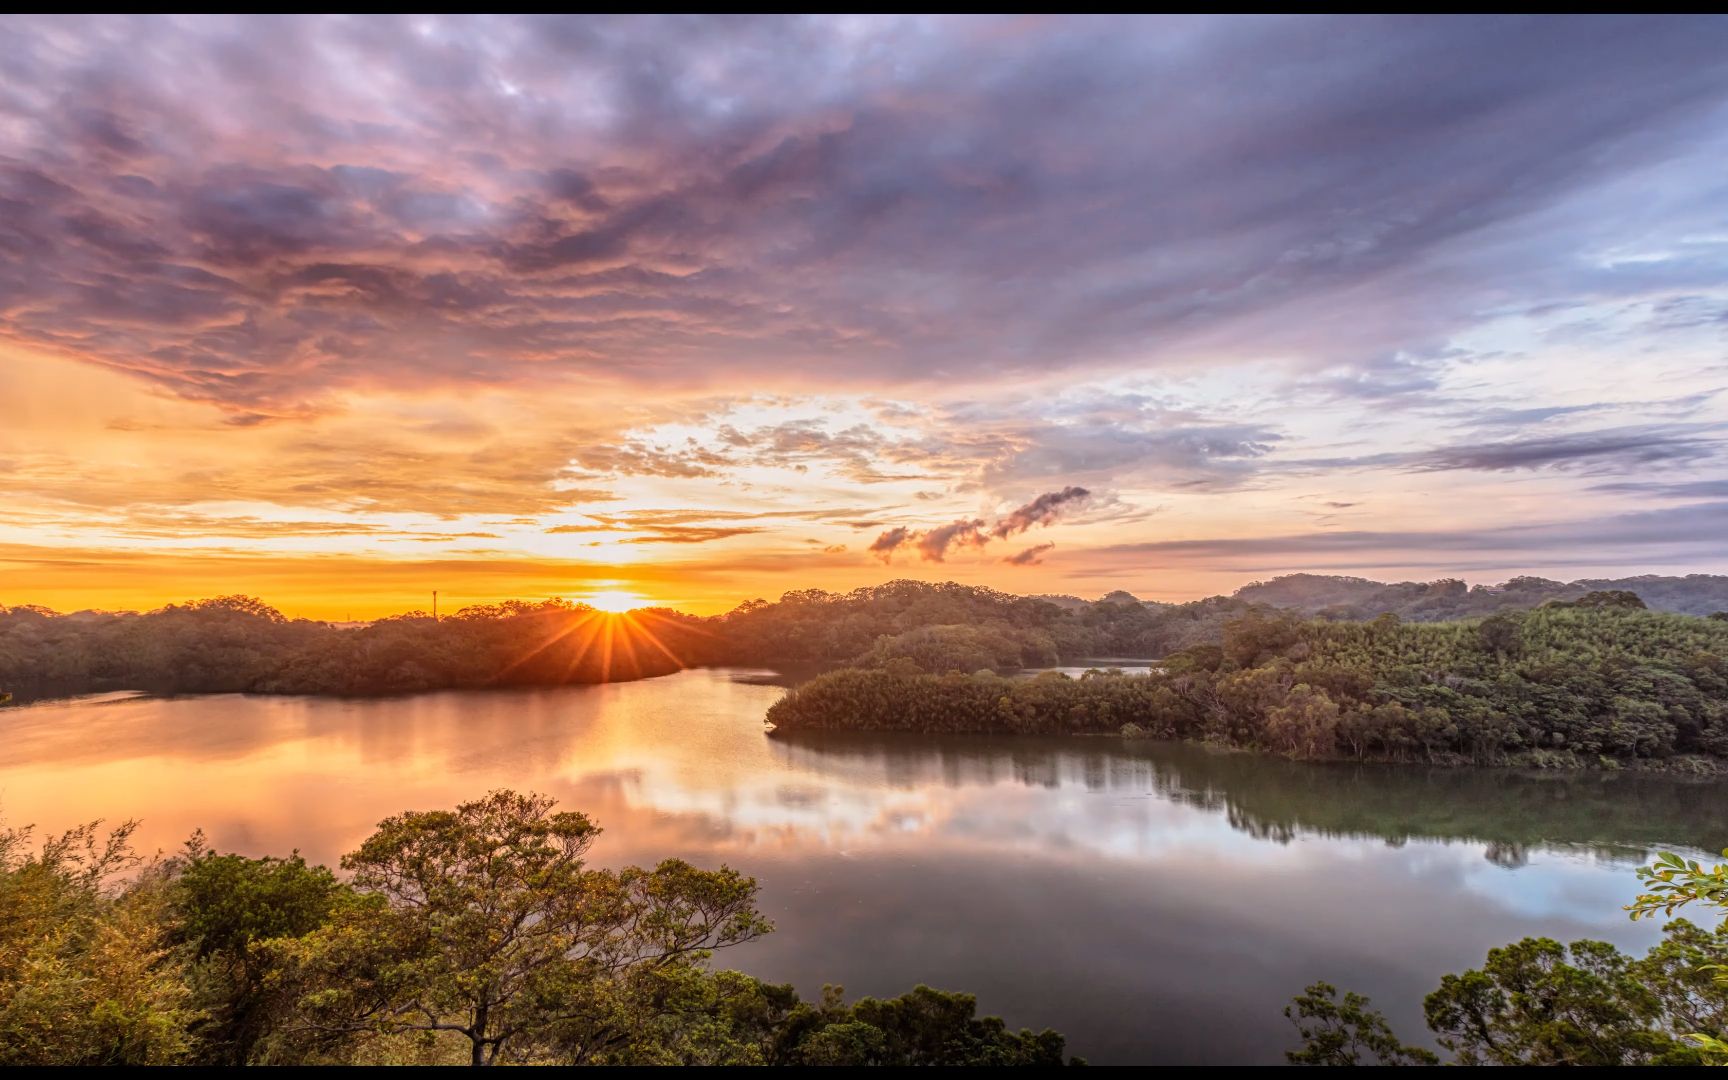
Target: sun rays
(620, 641)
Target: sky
(337, 311)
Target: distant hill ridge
(1341, 597)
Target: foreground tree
(1673, 883)
(485, 923)
(1539, 1002)
(1347, 1032)
(87, 975)
(682, 1015)
(475, 935)
(226, 909)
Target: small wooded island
(1596, 682)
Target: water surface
(1156, 903)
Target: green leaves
(1672, 882)
(491, 927)
(87, 975)
(474, 935)
(1350, 1032)
(1538, 1002)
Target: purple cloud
(230, 209)
(1032, 556)
(1044, 510)
(934, 545)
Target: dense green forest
(241, 644)
(813, 626)
(477, 935)
(1540, 1002)
(1598, 681)
(237, 643)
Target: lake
(1156, 903)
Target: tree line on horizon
(238, 643)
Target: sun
(613, 601)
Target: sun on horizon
(614, 601)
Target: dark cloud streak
(1032, 556)
(1044, 510)
(1615, 448)
(934, 545)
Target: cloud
(635, 458)
(891, 540)
(1044, 510)
(528, 201)
(690, 534)
(517, 268)
(656, 533)
(371, 465)
(935, 544)
(441, 538)
(1685, 489)
(1627, 448)
(1528, 416)
(1380, 380)
(694, 525)
(661, 518)
(1614, 449)
(1098, 434)
(1032, 556)
(1107, 440)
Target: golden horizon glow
(614, 601)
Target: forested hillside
(1597, 682)
(815, 626)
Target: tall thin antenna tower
(434, 605)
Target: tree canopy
(477, 935)
(1540, 1002)
(1573, 685)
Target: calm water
(1156, 903)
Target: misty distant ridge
(1449, 598)
(1343, 597)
